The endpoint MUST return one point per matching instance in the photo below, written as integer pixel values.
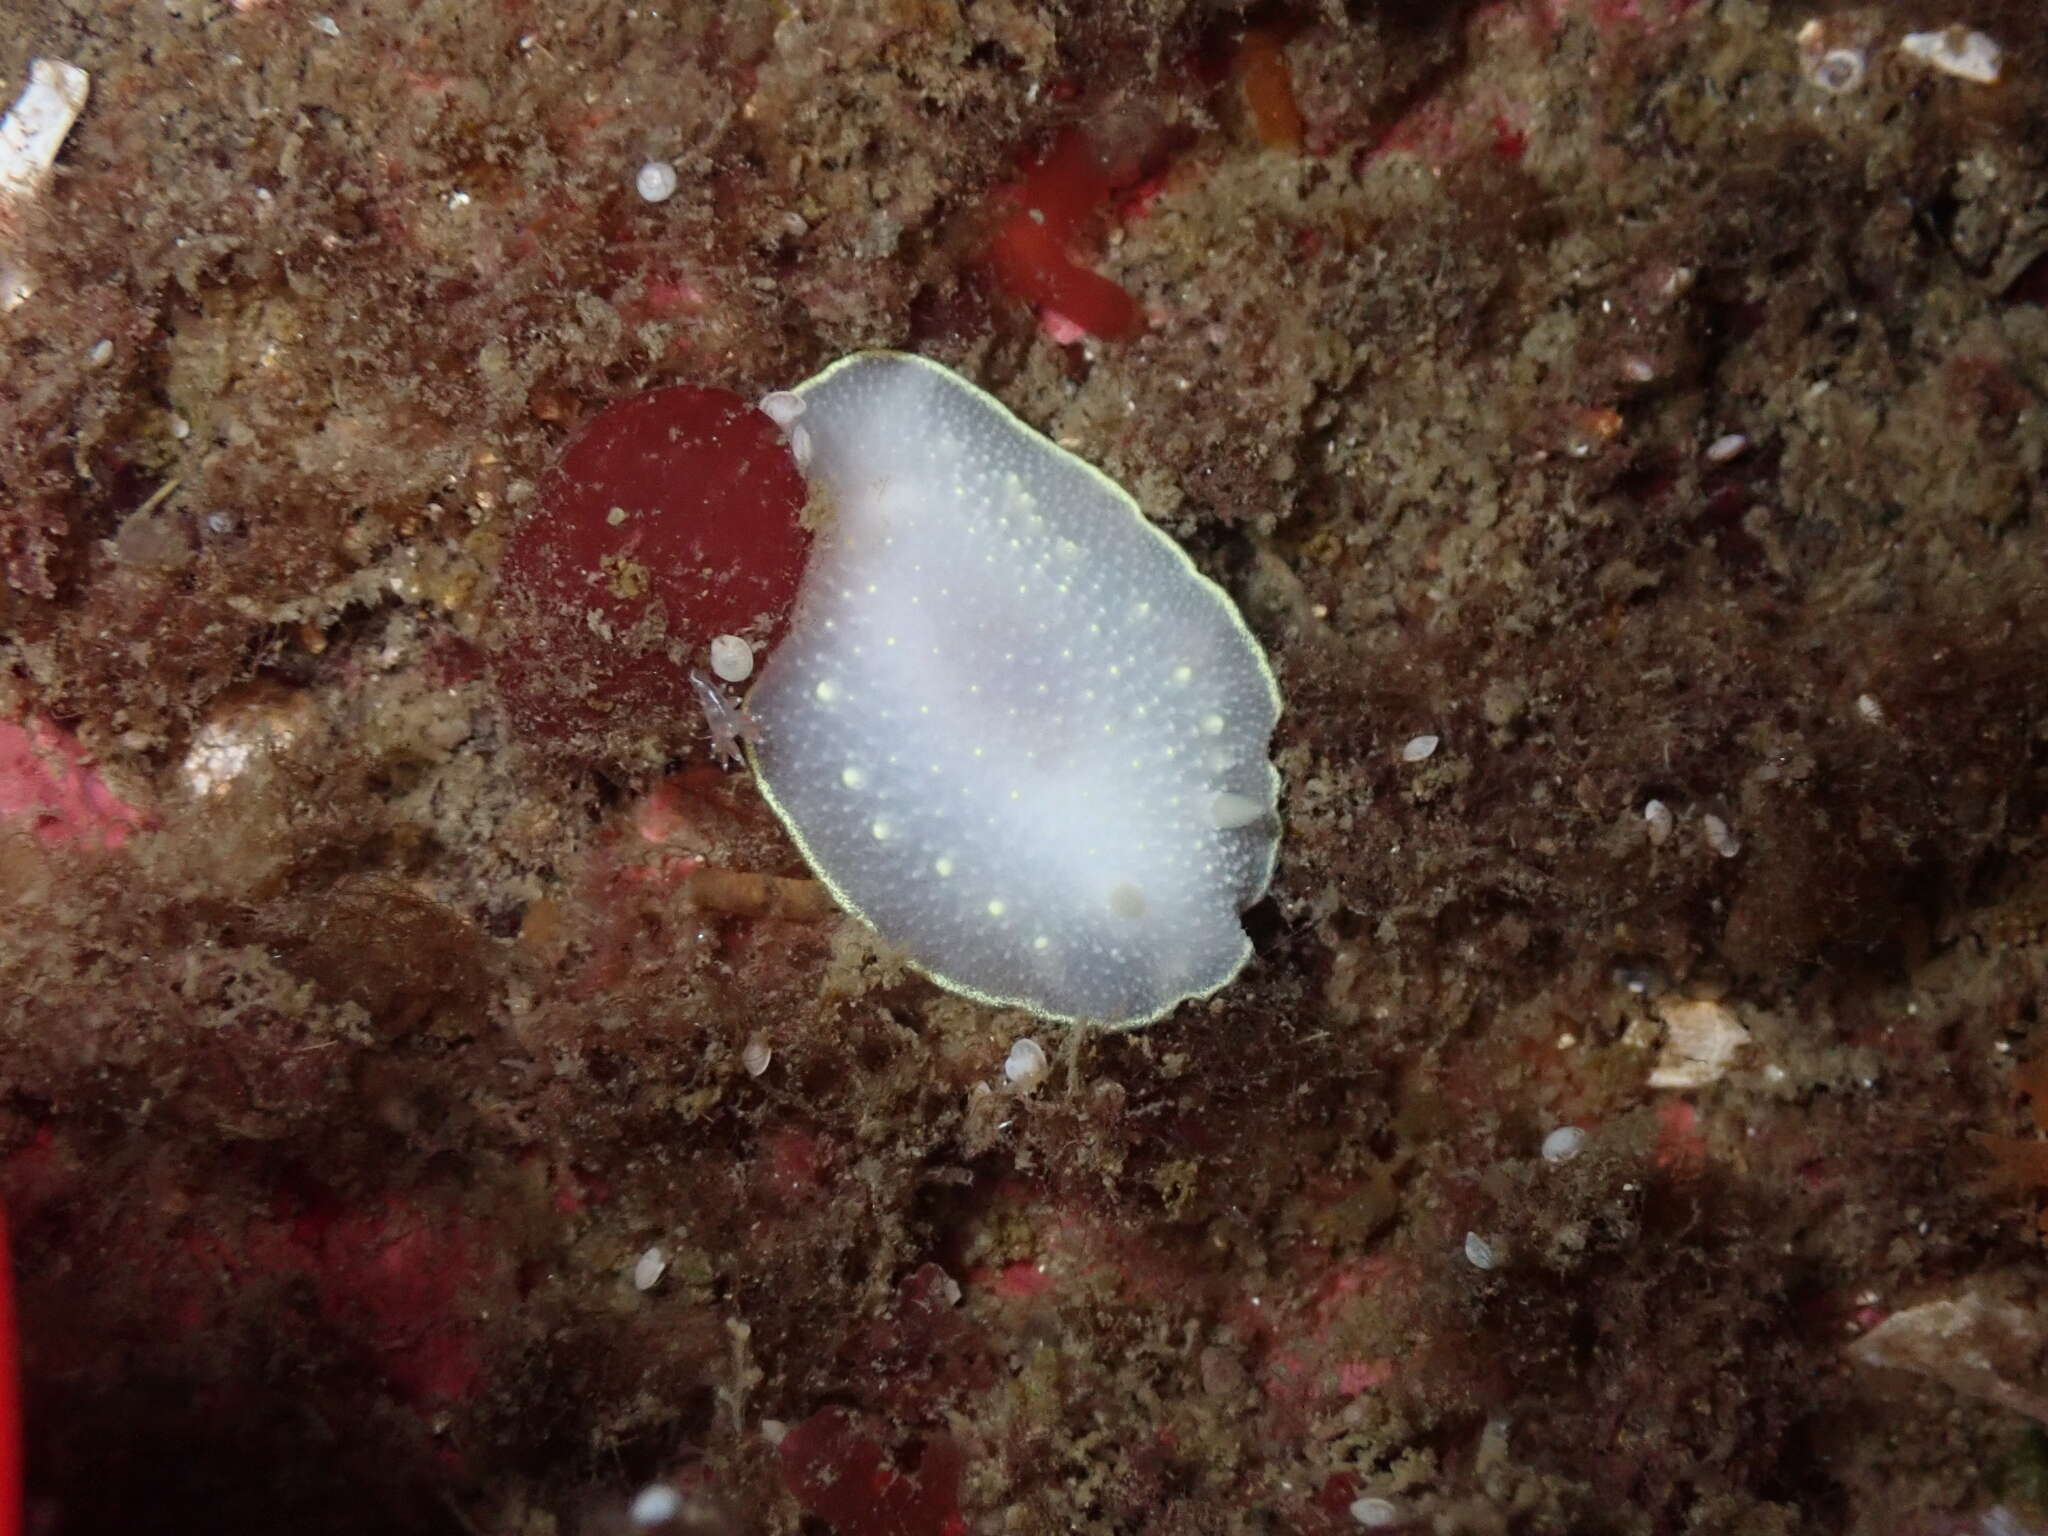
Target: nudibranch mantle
(1012, 727)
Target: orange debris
(1261, 66)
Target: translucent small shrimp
(729, 723)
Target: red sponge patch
(672, 517)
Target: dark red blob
(671, 518)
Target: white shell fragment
(648, 1269)
(1419, 749)
(1563, 1144)
(1479, 1252)
(1026, 1065)
(755, 1056)
(732, 658)
(656, 1504)
(1701, 1042)
(1374, 1514)
(30, 135)
(1720, 836)
(1958, 51)
(235, 739)
(655, 181)
(1011, 726)
(35, 127)
(1657, 818)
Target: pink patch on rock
(48, 782)
(397, 1274)
(577, 1191)
(1681, 1143)
(792, 1167)
(1022, 1281)
(1059, 330)
(1356, 1376)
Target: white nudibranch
(1012, 727)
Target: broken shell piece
(1417, 749)
(1479, 1252)
(648, 1269)
(239, 733)
(1981, 1346)
(30, 135)
(1720, 837)
(1563, 1144)
(756, 1055)
(1658, 819)
(34, 129)
(656, 1504)
(1374, 1514)
(1958, 51)
(1701, 1040)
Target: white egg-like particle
(732, 658)
(655, 181)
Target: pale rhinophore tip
(1012, 726)
(782, 407)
